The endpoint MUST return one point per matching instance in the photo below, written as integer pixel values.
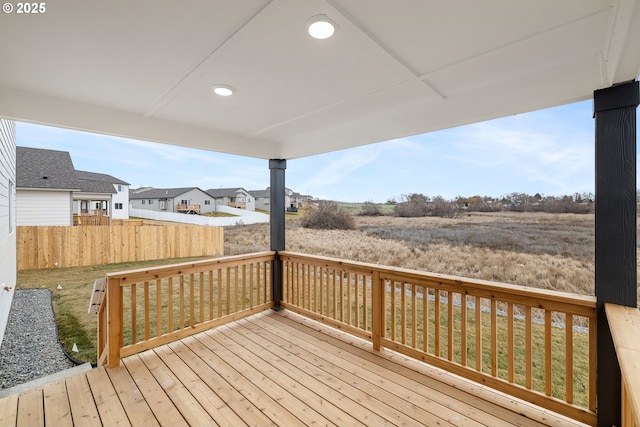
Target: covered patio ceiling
(145, 69)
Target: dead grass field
(549, 251)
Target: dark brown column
(616, 274)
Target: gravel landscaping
(30, 348)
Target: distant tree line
(417, 204)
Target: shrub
(328, 216)
(418, 205)
(370, 209)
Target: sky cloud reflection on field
(549, 152)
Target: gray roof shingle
(45, 169)
(102, 177)
(225, 192)
(160, 193)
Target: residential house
(293, 200)
(101, 194)
(7, 219)
(236, 197)
(45, 183)
(185, 200)
(262, 199)
(50, 191)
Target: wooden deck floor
(269, 369)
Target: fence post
(377, 307)
(114, 322)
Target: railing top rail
(152, 273)
(443, 280)
(624, 323)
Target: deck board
(56, 404)
(270, 369)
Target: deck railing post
(115, 338)
(615, 231)
(277, 226)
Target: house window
(207, 202)
(118, 206)
(150, 201)
(184, 202)
(119, 187)
(143, 201)
(98, 205)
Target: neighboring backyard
(551, 251)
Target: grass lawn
(75, 324)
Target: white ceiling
(144, 69)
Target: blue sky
(549, 152)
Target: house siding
(122, 196)
(193, 197)
(36, 207)
(7, 219)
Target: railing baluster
(365, 311)
(349, 317)
(547, 352)
(210, 294)
(158, 307)
(181, 325)
(463, 329)
(527, 347)
(403, 313)
(251, 285)
(568, 324)
(510, 344)
(219, 284)
(414, 317)
(479, 352)
(357, 300)
(192, 298)
(425, 319)
(134, 320)
(228, 288)
(450, 326)
(146, 310)
(393, 310)
(244, 286)
(236, 283)
(494, 337)
(202, 299)
(335, 295)
(170, 303)
(436, 322)
(342, 273)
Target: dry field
(550, 251)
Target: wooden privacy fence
(59, 246)
(534, 344)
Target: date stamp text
(24, 8)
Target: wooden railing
(93, 220)
(188, 208)
(149, 307)
(519, 340)
(239, 205)
(624, 323)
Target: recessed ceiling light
(320, 27)
(222, 90)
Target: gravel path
(30, 348)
